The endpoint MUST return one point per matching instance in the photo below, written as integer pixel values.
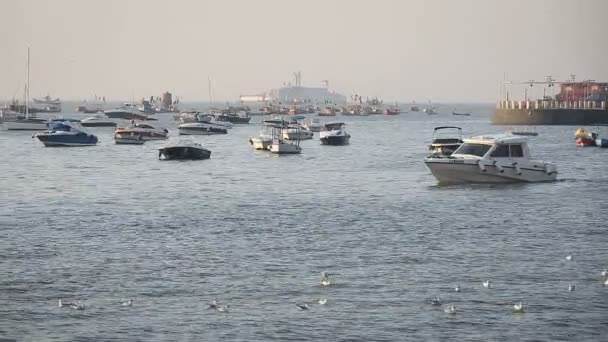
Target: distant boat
(430, 109)
(454, 112)
(183, 150)
(15, 121)
(414, 107)
(65, 134)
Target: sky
(442, 50)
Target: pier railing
(552, 104)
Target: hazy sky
(446, 50)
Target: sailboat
(430, 110)
(27, 122)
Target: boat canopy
(448, 127)
(297, 118)
(497, 139)
(331, 126)
(60, 126)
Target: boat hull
(260, 144)
(98, 124)
(26, 125)
(201, 131)
(455, 171)
(184, 153)
(128, 140)
(601, 142)
(67, 140)
(283, 148)
(584, 141)
(550, 117)
(335, 140)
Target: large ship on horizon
(296, 93)
(577, 103)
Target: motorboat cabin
(491, 159)
(446, 139)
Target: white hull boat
(261, 142)
(201, 128)
(146, 132)
(297, 133)
(284, 148)
(491, 159)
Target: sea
(252, 231)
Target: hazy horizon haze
(397, 50)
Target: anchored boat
(491, 159)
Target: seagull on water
(436, 301)
(213, 305)
(487, 284)
(223, 308)
(604, 273)
(303, 306)
(127, 303)
(457, 288)
(325, 280)
(450, 309)
(77, 306)
(606, 282)
(520, 307)
(569, 257)
(322, 301)
(571, 287)
(62, 304)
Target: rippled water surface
(106, 223)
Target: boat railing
(543, 104)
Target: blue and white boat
(65, 134)
(601, 142)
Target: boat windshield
(473, 149)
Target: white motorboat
(314, 125)
(98, 121)
(263, 140)
(146, 132)
(334, 134)
(201, 128)
(446, 139)
(502, 158)
(128, 138)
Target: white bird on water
(457, 288)
(606, 282)
(487, 284)
(322, 301)
(325, 280)
(604, 273)
(223, 308)
(520, 307)
(571, 287)
(127, 303)
(303, 306)
(569, 257)
(436, 301)
(76, 306)
(450, 309)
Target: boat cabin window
(473, 149)
(501, 151)
(516, 151)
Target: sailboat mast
(209, 86)
(27, 85)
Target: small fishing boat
(280, 145)
(327, 111)
(65, 134)
(263, 140)
(334, 134)
(454, 112)
(583, 137)
(183, 150)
